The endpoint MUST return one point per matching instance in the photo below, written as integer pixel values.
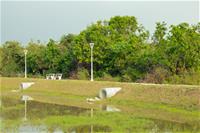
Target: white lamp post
(25, 68)
(91, 46)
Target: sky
(41, 20)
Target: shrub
(107, 77)
(126, 78)
(158, 75)
(191, 78)
(131, 74)
(82, 74)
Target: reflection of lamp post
(25, 110)
(91, 115)
(26, 98)
(25, 69)
(91, 46)
(91, 129)
(91, 112)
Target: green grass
(139, 103)
(118, 122)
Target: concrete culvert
(25, 85)
(108, 92)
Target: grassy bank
(175, 103)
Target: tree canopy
(123, 51)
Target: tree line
(123, 51)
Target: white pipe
(108, 92)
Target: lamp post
(25, 68)
(91, 46)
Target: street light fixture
(25, 68)
(91, 46)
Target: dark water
(25, 119)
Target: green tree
(52, 56)
(99, 35)
(121, 49)
(67, 40)
(35, 58)
(160, 33)
(12, 59)
(183, 48)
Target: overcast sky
(23, 20)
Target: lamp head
(91, 45)
(25, 51)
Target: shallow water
(18, 117)
(14, 110)
(29, 128)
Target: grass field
(173, 103)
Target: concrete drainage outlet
(25, 85)
(108, 92)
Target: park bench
(58, 76)
(53, 76)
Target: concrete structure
(25, 85)
(108, 92)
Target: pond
(33, 116)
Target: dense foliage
(123, 51)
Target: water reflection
(14, 110)
(29, 128)
(91, 112)
(17, 109)
(109, 108)
(90, 129)
(26, 98)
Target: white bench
(58, 76)
(53, 76)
